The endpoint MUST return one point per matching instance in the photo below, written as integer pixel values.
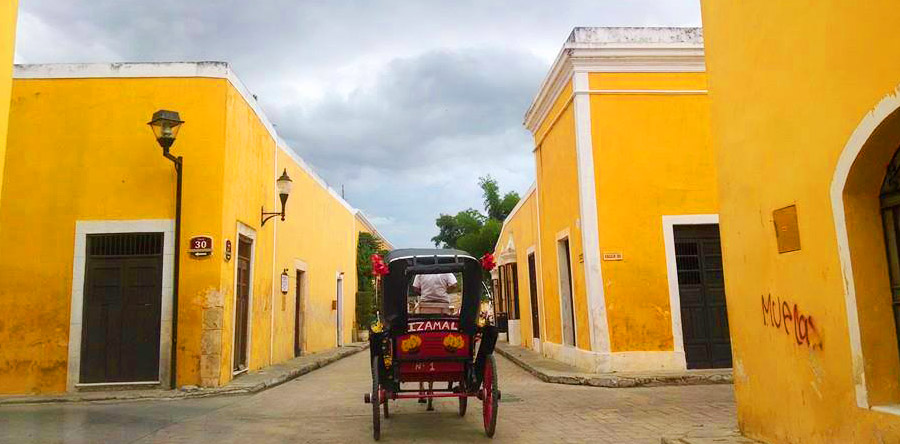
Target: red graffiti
(780, 314)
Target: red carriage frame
(433, 349)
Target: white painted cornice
(515, 210)
(211, 70)
(361, 216)
(643, 50)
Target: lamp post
(283, 184)
(165, 125)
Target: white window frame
(668, 224)
(82, 229)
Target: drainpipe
(179, 172)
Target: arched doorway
(865, 200)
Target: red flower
(379, 268)
(487, 262)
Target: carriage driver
(434, 291)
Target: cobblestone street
(326, 406)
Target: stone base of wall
(211, 340)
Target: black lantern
(283, 184)
(165, 125)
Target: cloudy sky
(404, 103)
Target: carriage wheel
(463, 402)
(387, 412)
(490, 396)
(376, 401)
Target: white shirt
(433, 287)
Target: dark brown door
(890, 215)
(532, 286)
(514, 294)
(298, 313)
(122, 304)
(242, 303)
(704, 318)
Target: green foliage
(365, 313)
(472, 231)
(365, 283)
(497, 208)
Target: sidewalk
(245, 384)
(549, 370)
(729, 438)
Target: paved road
(326, 406)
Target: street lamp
(165, 125)
(283, 184)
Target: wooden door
(298, 316)
(122, 306)
(890, 216)
(242, 303)
(704, 318)
(532, 287)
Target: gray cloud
(404, 103)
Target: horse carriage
(441, 353)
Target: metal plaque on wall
(787, 230)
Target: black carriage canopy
(405, 264)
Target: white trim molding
(590, 231)
(668, 226)
(617, 50)
(210, 70)
(861, 135)
(82, 229)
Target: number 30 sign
(201, 246)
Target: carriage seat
(433, 308)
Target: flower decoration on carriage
(411, 345)
(487, 261)
(379, 268)
(453, 342)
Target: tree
(497, 208)
(471, 231)
(365, 284)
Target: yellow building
(88, 212)
(7, 50)
(625, 202)
(517, 289)
(806, 126)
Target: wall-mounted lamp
(283, 185)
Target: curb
(617, 381)
(169, 395)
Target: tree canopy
(472, 231)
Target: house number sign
(201, 246)
(227, 250)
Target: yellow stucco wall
(652, 157)
(521, 228)
(80, 150)
(62, 167)
(7, 50)
(557, 193)
(789, 85)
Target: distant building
(806, 126)
(88, 251)
(619, 236)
